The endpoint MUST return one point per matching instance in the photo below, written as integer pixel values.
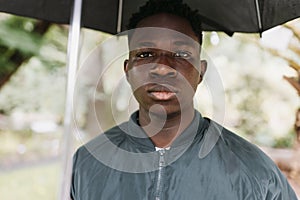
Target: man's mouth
(162, 92)
(163, 95)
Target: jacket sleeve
(73, 178)
(279, 189)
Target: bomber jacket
(205, 162)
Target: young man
(167, 150)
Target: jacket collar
(138, 136)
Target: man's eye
(182, 54)
(144, 55)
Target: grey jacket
(206, 162)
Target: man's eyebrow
(141, 44)
(183, 43)
(145, 44)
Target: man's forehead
(152, 36)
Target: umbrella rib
(258, 16)
(120, 10)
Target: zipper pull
(162, 158)
(161, 152)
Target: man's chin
(163, 112)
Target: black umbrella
(111, 16)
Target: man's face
(164, 66)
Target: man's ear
(203, 67)
(126, 67)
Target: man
(167, 150)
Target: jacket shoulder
(249, 159)
(109, 138)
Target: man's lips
(163, 95)
(159, 92)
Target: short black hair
(175, 7)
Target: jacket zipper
(161, 166)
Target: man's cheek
(136, 78)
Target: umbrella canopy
(249, 16)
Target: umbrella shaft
(258, 16)
(120, 12)
(72, 64)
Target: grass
(31, 183)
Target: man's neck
(163, 130)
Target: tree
(38, 50)
(291, 59)
(21, 38)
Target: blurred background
(259, 77)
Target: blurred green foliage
(288, 141)
(23, 38)
(17, 33)
(33, 54)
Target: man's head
(175, 7)
(164, 66)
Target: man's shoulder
(237, 155)
(250, 157)
(114, 134)
(242, 147)
(104, 140)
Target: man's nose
(163, 67)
